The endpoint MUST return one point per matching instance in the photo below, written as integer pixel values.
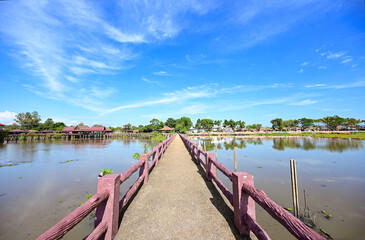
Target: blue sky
(114, 62)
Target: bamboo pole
(216, 158)
(235, 159)
(294, 183)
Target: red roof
(97, 129)
(2, 124)
(108, 130)
(68, 129)
(18, 130)
(166, 128)
(83, 128)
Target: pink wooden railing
(106, 200)
(244, 197)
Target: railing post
(210, 167)
(144, 168)
(242, 203)
(155, 156)
(108, 211)
(200, 150)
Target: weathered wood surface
(222, 168)
(178, 203)
(67, 223)
(124, 176)
(98, 231)
(246, 212)
(223, 188)
(108, 212)
(130, 192)
(291, 223)
(256, 228)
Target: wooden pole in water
(216, 158)
(235, 159)
(294, 184)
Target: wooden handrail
(106, 200)
(70, 221)
(296, 227)
(244, 197)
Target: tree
(207, 124)
(28, 120)
(217, 122)
(333, 122)
(277, 123)
(306, 122)
(240, 124)
(156, 124)
(170, 122)
(198, 124)
(183, 124)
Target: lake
(332, 172)
(42, 186)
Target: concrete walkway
(178, 203)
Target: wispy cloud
(162, 73)
(339, 86)
(337, 55)
(150, 81)
(301, 70)
(303, 102)
(316, 85)
(322, 67)
(171, 97)
(197, 92)
(304, 64)
(7, 117)
(346, 60)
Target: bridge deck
(178, 203)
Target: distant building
(166, 129)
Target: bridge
(179, 196)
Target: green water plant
(107, 171)
(87, 197)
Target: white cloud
(150, 81)
(316, 85)
(303, 102)
(300, 71)
(340, 86)
(335, 55)
(7, 117)
(162, 73)
(346, 60)
(322, 67)
(304, 63)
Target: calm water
(332, 171)
(31, 192)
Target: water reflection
(332, 145)
(329, 144)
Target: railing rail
(243, 198)
(106, 200)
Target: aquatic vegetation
(107, 171)
(69, 161)
(20, 177)
(259, 166)
(87, 197)
(61, 201)
(136, 155)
